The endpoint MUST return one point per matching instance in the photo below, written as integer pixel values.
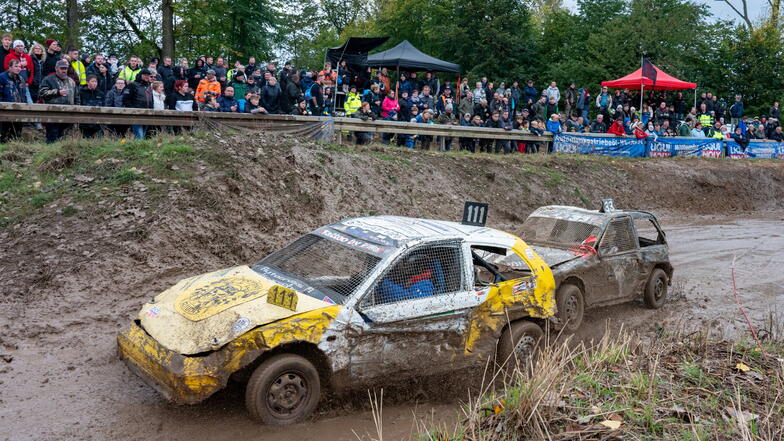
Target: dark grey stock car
(600, 258)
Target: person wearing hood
(353, 101)
(404, 114)
(58, 88)
(389, 104)
(196, 74)
(178, 74)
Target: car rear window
(560, 233)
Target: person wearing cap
(208, 85)
(52, 56)
(140, 96)
(58, 89)
(240, 87)
(449, 118)
(445, 99)
(617, 126)
(25, 62)
(530, 94)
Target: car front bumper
(179, 378)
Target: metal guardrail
(17, 112)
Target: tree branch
(744, 15)
(136, 30)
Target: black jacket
(270, 98)
(290, 97)
(139, 94)
(89, 97)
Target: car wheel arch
(667, 268)
(578, 282)
(307, 350)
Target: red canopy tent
(637, 79)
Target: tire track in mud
(65, 382)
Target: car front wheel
(571, 307)
(283, 390)
(519, 344)
(656, 289)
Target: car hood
(553, 256)
(203, 313)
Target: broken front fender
(191, 379)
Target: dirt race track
(60, 377)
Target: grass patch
(35, 175)
(677, 387)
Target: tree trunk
(167, 13)
(72, 25)
(775, 7)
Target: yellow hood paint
(205, 312)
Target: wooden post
(442, 144)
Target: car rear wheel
(571, 307)
(519, 344)
(283, 390)
(656, 289)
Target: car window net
(425, 272)
(556, 232)
(326, 265)
(618, 237)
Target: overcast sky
(717, 7)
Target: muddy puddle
(65, 382)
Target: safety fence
(333, 129)
(664, 147)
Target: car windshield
(328, 268)
(558, 233)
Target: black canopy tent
(406, 56)
(355, 50)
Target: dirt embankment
(75, 272)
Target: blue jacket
(736, 110)
(553, 126)
(529, 92)
(392, 292)
(12, 90)
(227, 103)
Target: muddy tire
(656, 289)
(518, 344)
(571, 307)
(283, 390)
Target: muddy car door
(415, 315)
(619, 257)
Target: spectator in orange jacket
(209, 84)
(330, 76)
(18, 53)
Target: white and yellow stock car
(346, 305)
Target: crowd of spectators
(46, 74)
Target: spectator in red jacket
(617, 127)
(18, 53)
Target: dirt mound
(93, 229)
